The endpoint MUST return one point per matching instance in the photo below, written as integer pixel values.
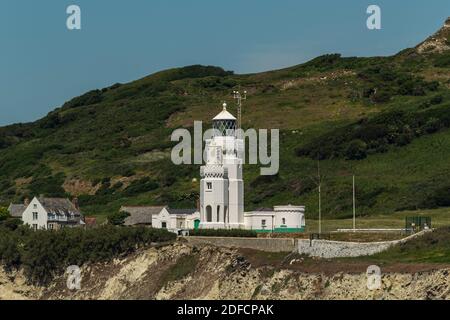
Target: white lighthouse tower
(221, 186)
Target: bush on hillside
(442, 61)
(356, 150)
(117, 218)
(89, 98)
(4, 214)
(44, 254)
(369, 136)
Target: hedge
(44, 254)
(223, 233)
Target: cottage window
(164, 225)
(284, 221)
(35, 227)
(263, 224)
(209, 185)
(34, 206)
(35, 215)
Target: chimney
(26, 201)
(75, 203)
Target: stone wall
(314, 248)
(340, 249)
(263, 244)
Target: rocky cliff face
(438, 42)
(182, 271)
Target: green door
(196, 224)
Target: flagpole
(354, 206)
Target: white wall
(158, 219)
(173, 221)
(253, 220)
(293, 218)
(27, 216)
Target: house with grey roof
(16, 210)
(52, 213)
(140, 215)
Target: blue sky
(43, 64)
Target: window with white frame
(263, 224)
(35, 215)
(209, 185)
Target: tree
(12, 223)
(118, 218)
(4, 214)
(356, 150)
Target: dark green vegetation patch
(45, 254)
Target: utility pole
(238, 97)
(320, 209)
(354, 206)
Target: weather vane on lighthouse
(238, 97)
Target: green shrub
(437, 100)
(442, 61)
(139, 186)
(4, 214)
(223, 233)
(356, 150)
(432, 125)
(117, 218)
(89, 98)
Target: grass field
(439, 218)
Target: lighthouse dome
(224, 115)
(224, 123)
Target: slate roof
(59, 206)
(182, 211)
(16, 210)
(140, 214)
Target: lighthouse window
(209, 185)
(208, 214)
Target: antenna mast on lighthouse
(238, 97)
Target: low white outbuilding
(176, 219)
(286, 218)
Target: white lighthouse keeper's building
(221, 185)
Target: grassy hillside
(384, 119)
